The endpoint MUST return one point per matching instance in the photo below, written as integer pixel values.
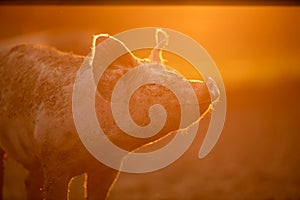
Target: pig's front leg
(100, 182)
(55, 184)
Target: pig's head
(137, 103)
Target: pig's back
(32, 75)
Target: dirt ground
(258, 153)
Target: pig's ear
(161, 41)
(97, 39)
(116, 57)
(109, 47)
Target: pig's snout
(212, 89)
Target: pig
(37, 127)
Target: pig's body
(36, 124)
(36, 121)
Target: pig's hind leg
(2, 153)
(56, 182)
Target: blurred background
(256, 49)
